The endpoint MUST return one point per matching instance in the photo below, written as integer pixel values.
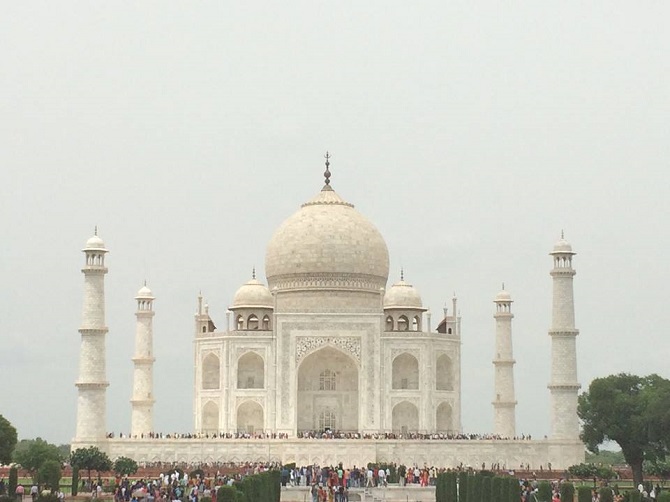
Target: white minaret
(504, 403)
(563, 385)
(142, 421)
(92, 382)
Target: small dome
(402, 295)
(503, 296)
(144, 292)
(253, 294)
(95, 242)
(562, 246)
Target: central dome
(327, 243)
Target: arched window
(327, 420)
(449, 331)
(210, 372)
(250, 371)
(327, 380)
(266, 323)
(252, 322)
(405, 372)
(210, 418)
(443, 418)
(389, 323)
(240, 323)
(403, 323)
(443, 373)
(415, 323)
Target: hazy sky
(470, 134)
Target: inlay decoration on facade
(307, 344)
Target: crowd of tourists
(327, 434)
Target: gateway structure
(326, 347)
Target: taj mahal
(326, 362)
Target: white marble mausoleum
(328, 346)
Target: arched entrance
(327, 392)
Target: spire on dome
(326, 173)
(402, 274)
(95, 230)
(253, 272)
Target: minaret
(142, 421)
(504, 403)
(563, 386)
(92, 382)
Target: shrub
(487, 484)
(664, 496)
(13, 481)
(462, 486)
(567, 491)
(583, 494)
(440, 488)
(49, 474)
(226, 494)
(75, 481)
(514, 490)
(51, 497)
(7, 498)
(635, 496)
(544, 491)
(606, 495)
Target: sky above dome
(469, 134)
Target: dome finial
(253, 272)
(402, 273)
(503, 286)
(95, 230)
(326, 173)
(562, 234)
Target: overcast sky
(470, 134)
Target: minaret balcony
(91, 385)
(563, 333)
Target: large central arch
(327, 391)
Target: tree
(630, 410)
(49, 474)
(32, 453)
(125, 466)
(91, 459)
(8, 439)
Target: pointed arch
(210, 418)
(403, 323)
(443, 418)
(405, 372)
(444, 373)
(252, 321)
(389, 323)
(211, 369)
(250, 371)
(327, 381)
(250, 417)
(405, 417)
